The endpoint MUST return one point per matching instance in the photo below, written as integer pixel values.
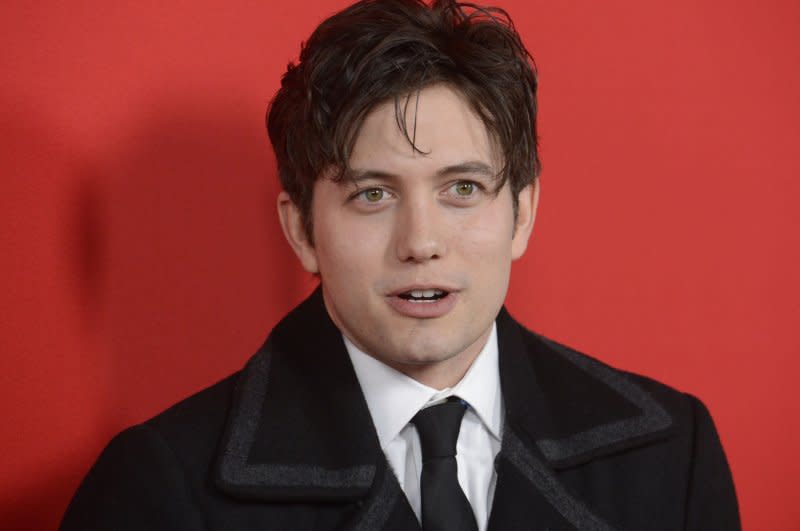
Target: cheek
(485, 234)
(348, 246)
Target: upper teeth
(426, 293)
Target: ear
(526, 215)
(295, 232)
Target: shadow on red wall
(145, 270)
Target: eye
(464, 188)
(373, 195)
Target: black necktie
(444, 505)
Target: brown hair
(378, 50)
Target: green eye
(465, 188)
(373, 195)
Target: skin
(416, 219)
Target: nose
(419, 232)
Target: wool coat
(288, 443)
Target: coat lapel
(562, 409)
(300, 429)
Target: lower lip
(422, 310)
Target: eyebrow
(468, 167)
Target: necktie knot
(438, 428)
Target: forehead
(444, 128)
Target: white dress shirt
(394, 398)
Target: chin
(424, 355)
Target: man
(401, 395)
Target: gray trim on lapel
(236, 472)
(575, 512)
(563, 409)
(567, 427)
(653, 418)
(377, 509)
(299, 428)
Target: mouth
(423, 302)
(423, 295)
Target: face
(414, 248)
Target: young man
(401, 395)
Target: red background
(141, 257)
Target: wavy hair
(381, 50)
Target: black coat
(288, 444)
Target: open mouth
(424, 302)
(423, 295)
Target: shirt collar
(394, 398)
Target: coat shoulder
(193, 427)
(149, 475)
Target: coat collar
(571, 408)
(300, 429)
(562, 409)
